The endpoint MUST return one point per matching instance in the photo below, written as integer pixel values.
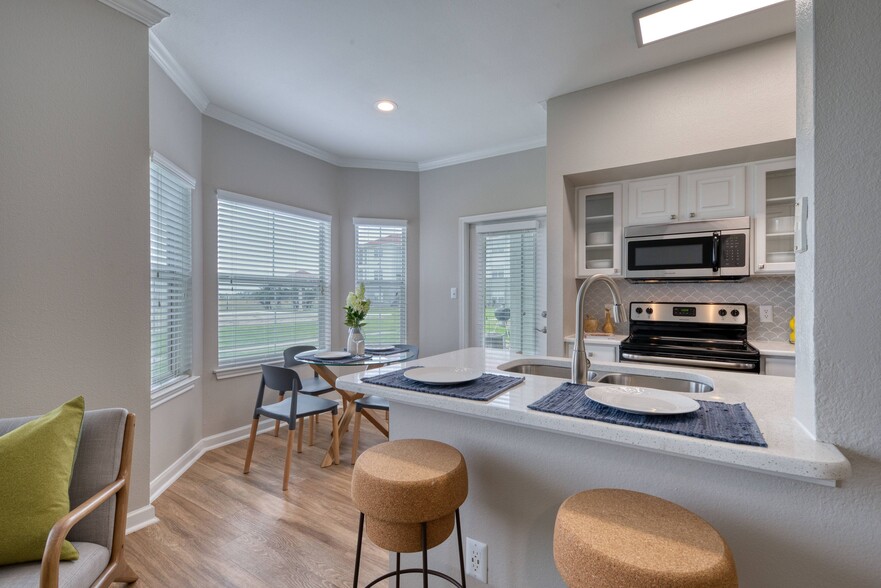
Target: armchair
(99, 490)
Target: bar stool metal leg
(424, 555)
(461, 551)
(358, 551)
(398, 570)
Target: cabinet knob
(672, 217)
(590, 353)
(761, 266)
(615, 271)
(691, 214)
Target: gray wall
(726, 101)
(498, 184)
(238, 161)
(371, 193)
(176, 133)
(839, 287)
(74, 213)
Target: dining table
(322, 361)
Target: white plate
(642, 400)
(379, 347)
(442, 375)
(332, 355)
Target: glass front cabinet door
(774, 192)
(599, 230)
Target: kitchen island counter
(791, 452)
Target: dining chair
(290, 410)
(314, 386)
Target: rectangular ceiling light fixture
(675, 17)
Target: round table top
(402, 353)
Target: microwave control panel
(733, 251)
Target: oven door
(717, 254)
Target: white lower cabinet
(601, 353)
(778, 366)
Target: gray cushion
(96, 466)
(72, 574)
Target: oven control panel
(689, 312)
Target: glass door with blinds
(508, 286)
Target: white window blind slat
(273, 280)
(171, 274)
(381, 264)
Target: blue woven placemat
(732, 423)
(485, 387)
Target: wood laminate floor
(219, 527)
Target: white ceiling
(469, 76)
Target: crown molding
(140, 10)
(269, 134)
(506, 149)
(166, 61)
(407, 166)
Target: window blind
(273, 279)
(381, 264)
(508, 292)
(171, 273)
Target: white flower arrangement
(357, 307)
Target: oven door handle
(717, 250)
(728, 365)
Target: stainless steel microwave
(690, 251)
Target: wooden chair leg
(335, 442)
(287, 459)
(277, 423)
(124, 572)
(356, 435)
(300, 436)
(251, 440)
(313, 422)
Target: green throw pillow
(36, 462)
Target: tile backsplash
(776, 291)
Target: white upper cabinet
(774, 205)
(599, 230)
(716, 193)
(653, 200)
(697, 195)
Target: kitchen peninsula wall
(775, 291)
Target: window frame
(226, 370)
(183, 380)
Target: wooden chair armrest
(59, 531)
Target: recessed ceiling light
(678, 16)
(386, 106)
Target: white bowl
(783, 224)
(600, 238)
(599, 263)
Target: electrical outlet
(475, 559)
(454, 293)
(766, 314)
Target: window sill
(172, 390)
(242, 370)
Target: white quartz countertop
(774, 348)
(594, 339)
(791, 452)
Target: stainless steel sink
(552, 371)
(671, 384)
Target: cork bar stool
(409, 492)
(617, 538)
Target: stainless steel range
(703, 335)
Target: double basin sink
(673, 384)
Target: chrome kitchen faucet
(580, 362)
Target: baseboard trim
(163, 481)
(140, 518)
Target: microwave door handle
(717, 247)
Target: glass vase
(355, 341)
